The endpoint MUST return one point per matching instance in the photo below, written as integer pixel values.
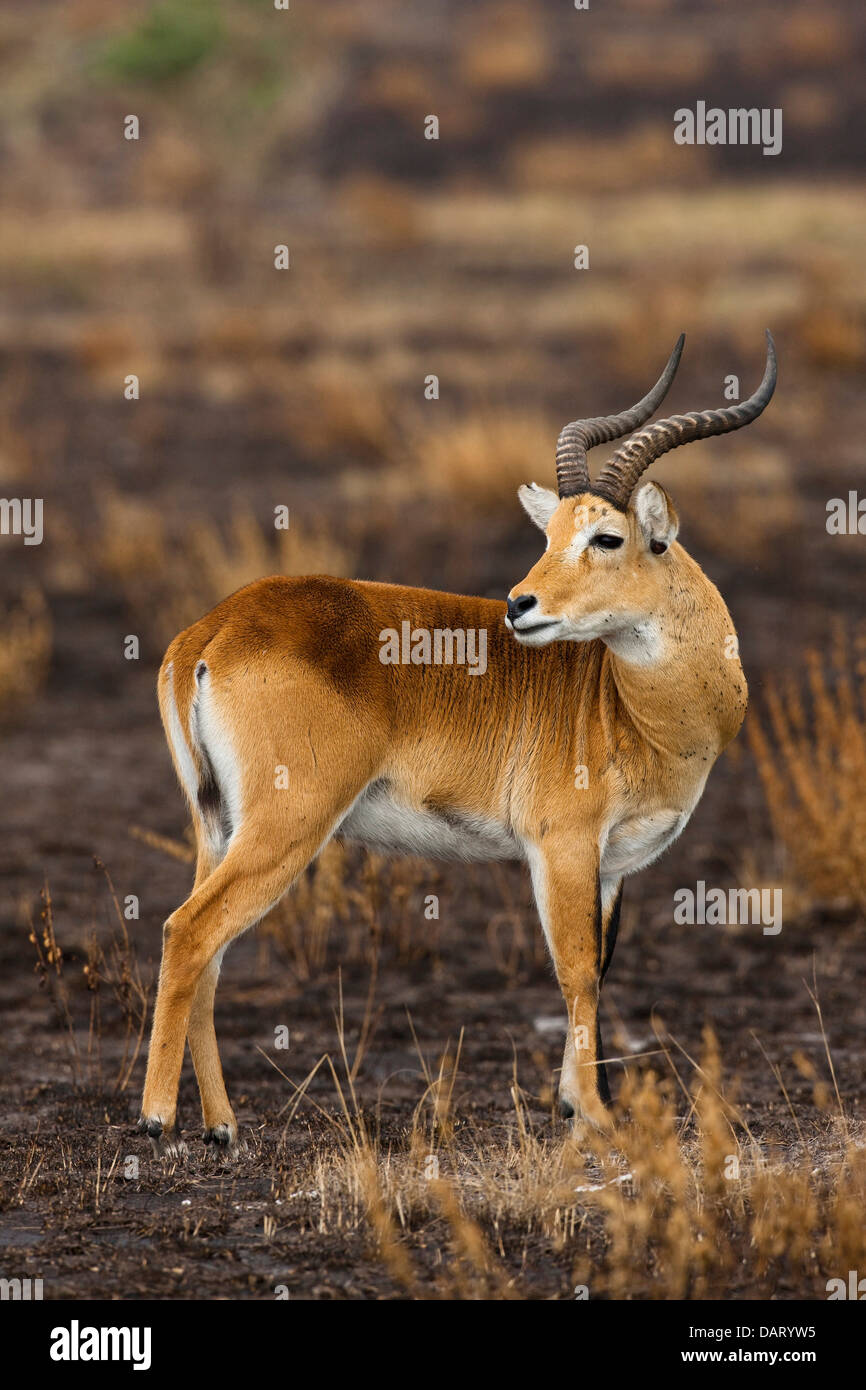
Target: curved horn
(618, 478)
(572, 472)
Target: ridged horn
(572, 471)
(618, 478)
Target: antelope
(612, 684)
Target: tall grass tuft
(810, 748)
(25, 649)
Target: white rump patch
(213, 742)
(182, 755)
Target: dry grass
(737, 500)
(118, 995)
(622, 62)
(603, 162)
(811, 754)
(677, 1205)
(341, 410)
(382, 209)
(681, 1201)
(818, 41)
(482, 457)
(502, 47)
(25, 649)
(352, 903)
(346, 905)
(170, 581)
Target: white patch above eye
(586, 529)
(581, 540)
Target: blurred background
(408, 257)
(304, 387)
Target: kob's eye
(607, 542)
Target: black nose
(516, 606)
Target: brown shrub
(503, 47)
(812, 762)
(170, 581)
(25, 649)
(483, 457)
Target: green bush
(174, 37)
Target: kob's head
(608, 542)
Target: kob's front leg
(569, 896)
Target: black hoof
(220, 1136)
(163, 1145)
(566, 1109)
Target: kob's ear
(657, 517)
(539, 503)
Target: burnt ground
(89, 763)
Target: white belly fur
(632, 844)
(378, 820)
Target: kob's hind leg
(253, 876)
(220, 1126)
